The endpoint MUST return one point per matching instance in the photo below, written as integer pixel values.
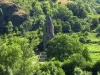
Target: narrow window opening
(46, 29)
(49, 30)
(47, 37)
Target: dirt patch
(64, 2)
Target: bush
(98, 28)
(82, 40)
(66, 27)
(63, 46)
(68, 67)
(51, 69)
(98, 9)
(88, 41)
(78, 71)
(2, 70)
(86, 73)
(57, 63)
(98, 35)
(86, 55)
(86, 33)
(76, 60)
(96, 68)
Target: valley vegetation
(74, 50)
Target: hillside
(11, 12)
(49, 37)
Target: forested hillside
(74, 49)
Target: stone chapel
(48, 31)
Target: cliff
(9, 11)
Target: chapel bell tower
(48, 31)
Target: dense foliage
(63, 46)
(77, 31)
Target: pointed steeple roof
(48, 21)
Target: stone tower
(48, 31)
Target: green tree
(78, 9)
(50, 69)
(62, 46)
(98, 1)
(63, 13)
(95, 23)
(9, 27)
(16, 56)
(78, 71)
(98, 29)
(86, 55)
(27, 56)
(75, 23)
(57, 26)
(66, 27)
(9, 55)
(47, 8)
(96, 67)
(98, 9)
(76, 60)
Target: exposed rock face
(18, 18)
(10, 12)
(1, 16)
(8, 9)
(1, 21)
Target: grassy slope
(94, 49)
(95, 56)
(92, 36)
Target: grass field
(94, 49)
(95, 56)
(92, 37)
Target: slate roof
(48, 21)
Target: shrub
(96, 68)
(82, 40)
(76, 60)
(51, 69)
(86, 55)
(63, 46)
(98, 28)
(98, 35)
(78, 71)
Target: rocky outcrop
(10, 12)
(8, 9)
(19, 17)
(1, 16)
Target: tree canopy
(63, 45)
